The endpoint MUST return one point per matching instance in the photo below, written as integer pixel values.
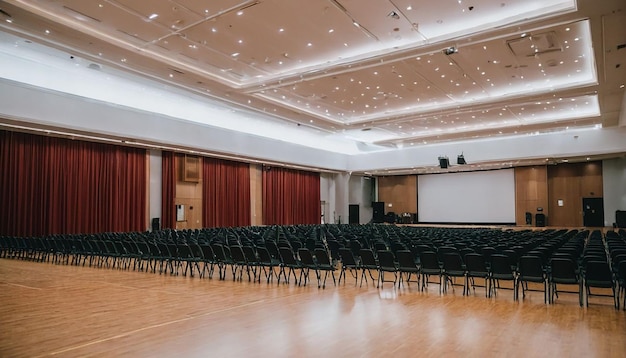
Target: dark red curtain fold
(168, 192)
(226, 193)
(290, 197)
(59, 186)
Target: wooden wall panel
(591, 180)
(400, 192)
(531, 192)
(256, 194)
(190, 195)
(569, 183)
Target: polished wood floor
(68, 311)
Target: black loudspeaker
(540, 220)
(620, 218)
(378, 208)
(444, 162)
(156, 224)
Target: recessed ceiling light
(309, 44)
(47, 31)
(240, 41)
(239, 13)
(153, 16)
(235, 54)
(331, 31)
(281, 30)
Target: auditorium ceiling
(384, 73)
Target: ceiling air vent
(535, 45)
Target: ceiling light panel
(169, 14)
(564, 59)
(366, 94)
(557, 109)
(455, 18)
(119, 19)
(384, 21)
(493, 119)
(270, 40)
(478, 73)
(210, 8)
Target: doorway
(593, 212)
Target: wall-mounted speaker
(444, 162)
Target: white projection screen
(484, 197)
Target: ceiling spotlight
(460, 160)
(450, 50)
(394, 15)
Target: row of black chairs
(491, 255)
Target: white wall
(614, 188)
(360, 193)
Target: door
(353, 214)
(593, 212)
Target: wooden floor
(68, 311)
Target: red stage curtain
(168, 192)
(59, 186)
(226, 193)
(290, 197)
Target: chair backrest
(356, 247)
(500, 265)
(380, 246)
(405, 259)
(475, 263)
(347, 258)
(250, 254)
(184, 252)
(286, 256)
(237, 254)
(218, 252)
(368, 260)
(306, 258)
(531, 268)
(264, 255)
(386, 260)
(452, 262)
(207, 253)
(322, 258)
(272, 248)
(563, 268)
(429, 260)
(598, 274)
